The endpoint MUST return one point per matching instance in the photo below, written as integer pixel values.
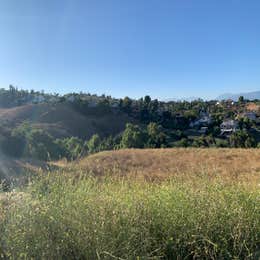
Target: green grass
(90, 218)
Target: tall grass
(108, 218)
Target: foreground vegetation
(92, 210)
(60, 217)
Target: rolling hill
(63, 120)
(155, 164)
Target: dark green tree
(241, 99)
(94, 143)
(156, 136)
(242, 139)
(132, 137)
(126, 104)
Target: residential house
(228, 127)
(204, 120)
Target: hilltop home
(205, 120)
(229, 127)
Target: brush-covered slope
(16, 171)
(62, 119)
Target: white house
(229, 126)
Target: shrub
(132, 137)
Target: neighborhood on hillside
(53, 126)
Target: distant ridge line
(247, 95)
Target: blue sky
(165, 48)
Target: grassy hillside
(230, 164)
(149, 204)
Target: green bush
(132, 137)
(242, 139)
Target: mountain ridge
(247, 95)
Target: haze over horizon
(173, 49)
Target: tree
(108, 144)
(93, 144)
(184, 142)
(242, 139)
(245, 123)
(221, 143)
(200, 142)
(126, 104)
(18, 140)
(241, 99)
(132, 137)
(40, 145)
(32, 142)
(12, 89)
(156, 136)
(147, 100)
(74, 147)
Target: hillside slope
(234, 164)
(17, 171)
(62, 120)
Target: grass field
(187, 164)
(139, 204)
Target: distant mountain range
(232, 96)
(235, 97)
(189, 99)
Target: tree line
(31, 142)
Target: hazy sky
(165, 48)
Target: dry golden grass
(239, 165)
(208, 210)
